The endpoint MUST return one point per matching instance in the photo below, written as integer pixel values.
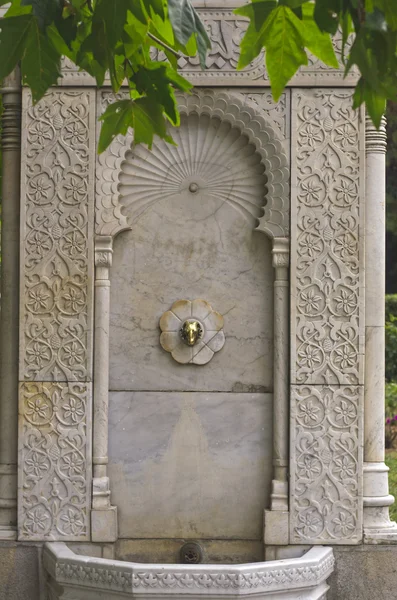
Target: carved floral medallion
(192, 332)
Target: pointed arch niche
(229, 162)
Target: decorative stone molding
(299, 578)
(55, 461)
(240, 114)
(211, 337)
(327, 318)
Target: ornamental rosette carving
(56, 256)
(54, 495)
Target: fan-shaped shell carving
(229, 108)
(211, 158)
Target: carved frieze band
(225, 30)
(55, 461)
(57, 239)
(238, 110)
(326, 317)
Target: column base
(7, 532)
(279, 496)
(378, 528)
(104, 525)
(276, 527)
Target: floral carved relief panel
(57, 259)
(327, 318)
(58, 150)
(55, 461)
(327, 324)
(326, 465)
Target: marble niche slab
(190, 465)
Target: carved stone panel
(326, 464)
(57, 236)
(326, 287)
(326, 318)
(55, 461)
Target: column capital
(280, 252)
(375, 139)
(103, 251)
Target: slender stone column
(103, 515)
(276, 519)
(11, 142)
(377, 524)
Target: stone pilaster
(11, 143)
(276, 522)
(377, 524)
(103, 515)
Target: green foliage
(117, 36)
(391, 399)
(391, 462)
(391, 339)
(391, 200)
(288, 28)
(107, 36)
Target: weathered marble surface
(190, 464)
(199, 244)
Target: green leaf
(186, 23)
(375, 101)
(319, 43)
(389, 9)
(45, 11)
(253, 41)
(116, 119)
(40, 64)
(148, 122)
(114, 16)
(13, 35)
(326, 15)
(283, 37)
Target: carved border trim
(240, 113)
(68, 568)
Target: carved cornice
(375, 139)
(68, 568)
(240, 113)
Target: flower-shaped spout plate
(211, 339)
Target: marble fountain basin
(78, 577)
